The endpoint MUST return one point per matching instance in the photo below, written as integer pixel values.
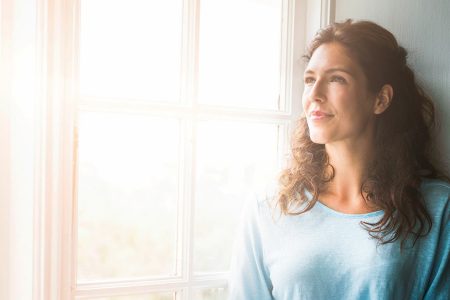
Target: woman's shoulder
(436, 194)
(435, 188)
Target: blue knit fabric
(325, 254)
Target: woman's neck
(351, 164)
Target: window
(173, 113)
(179, 118)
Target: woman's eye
(338, 79)
(309, 80)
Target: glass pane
(154, 296)
(127, 195)
(211, 294)
(235, 160)
(239, 61)
(131, 49)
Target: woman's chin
(318, 140)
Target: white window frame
(57, 36)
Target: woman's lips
(319, 115)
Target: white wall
(17, 107)
(423, 28)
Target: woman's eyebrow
(331, 70)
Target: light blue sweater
(324, 254)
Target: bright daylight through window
(182, 116)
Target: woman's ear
(383, 99)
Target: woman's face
(336, 100)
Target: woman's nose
(317, 92)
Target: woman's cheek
(305, 103)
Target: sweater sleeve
(438, 287)
(249, 277)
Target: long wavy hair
(402, 140)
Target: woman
(361, 212)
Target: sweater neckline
(346, 215)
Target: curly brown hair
(402, 139)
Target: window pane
(127, 195)
(239, 56)
(211, 294)
(154, 296)
(235, 160)
(131, 49)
